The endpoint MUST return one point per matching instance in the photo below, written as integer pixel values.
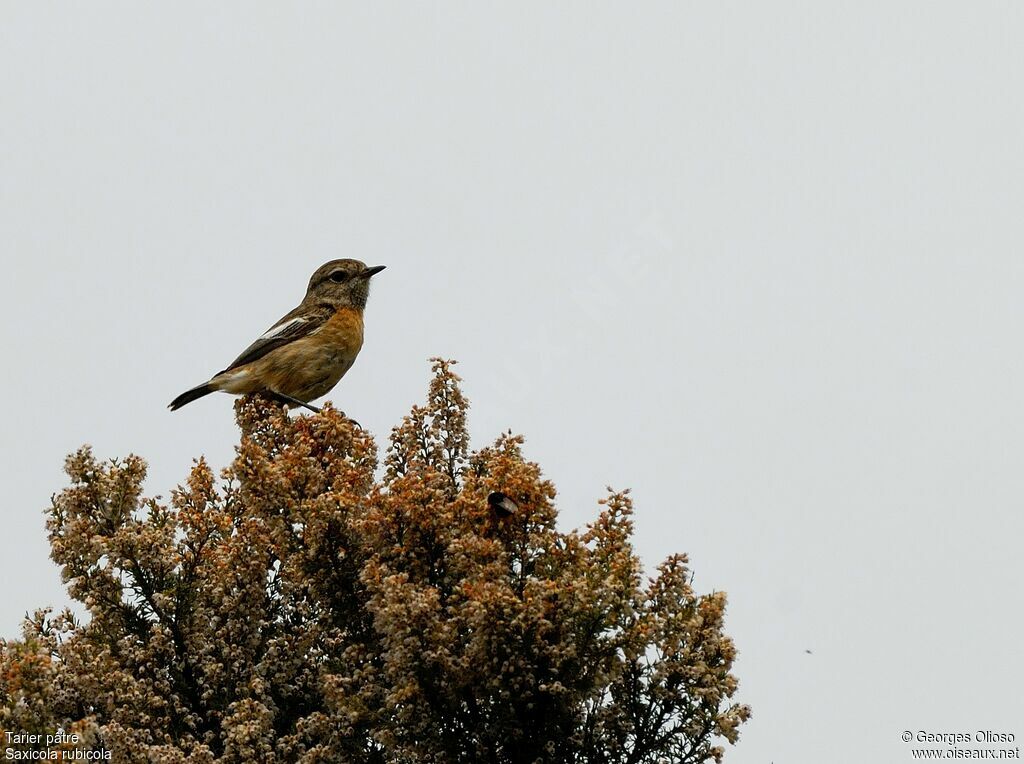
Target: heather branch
(299, 609)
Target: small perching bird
(303, 355)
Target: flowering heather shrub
(303, 609)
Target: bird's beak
(371, 271)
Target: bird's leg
(297, 402)
(314, 409)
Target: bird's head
(342, 283)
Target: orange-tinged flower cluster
(303, 609)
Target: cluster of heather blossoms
(315, 605)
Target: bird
(306, 353)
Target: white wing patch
(276, 330)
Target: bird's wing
(302, 321)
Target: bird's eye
(338, 277)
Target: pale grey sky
(772, 247)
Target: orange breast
(310, 366)
(344, 331)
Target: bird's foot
(353, 421)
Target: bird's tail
(190, 395)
